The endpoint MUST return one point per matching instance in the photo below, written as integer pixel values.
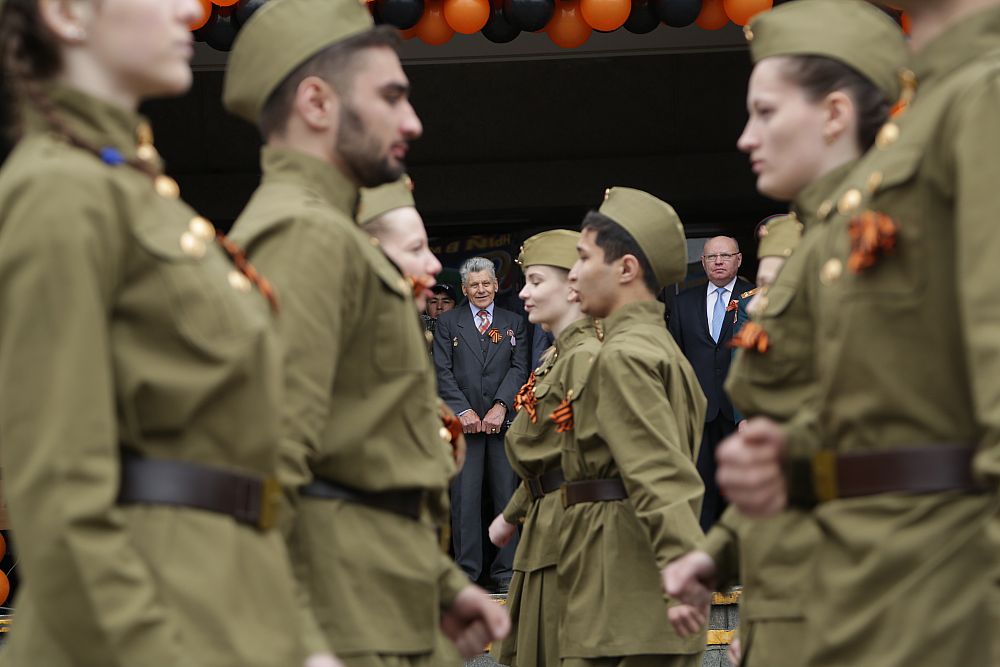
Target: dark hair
(819, 76)
(616, 242)
(29, 54)
(333, 64)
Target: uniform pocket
(899, 276)
(210, 302)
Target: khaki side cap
(277, 39)
(655, 226)
(379, 201)
(781, 238)
(851, 31)
(553, 248)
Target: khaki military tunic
(907, 354)
(360, 410)
(535, 448)
(772, 558)
(113, 334)
(639, 417)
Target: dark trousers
(485, 459)
(714, 504)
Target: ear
(629, 270)
(840, 116)
(67, 19)
(317, 103)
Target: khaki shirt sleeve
(723, 545)
(518, 505)
(312, 276)
(977, 207)
(637, 422)
(316, 277)
(451, 581)
(60, 262)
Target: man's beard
(361, 151)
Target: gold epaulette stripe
(720, 637)
(726, 598)
(750, 293)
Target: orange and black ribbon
(563, 416)
(872, 235)
(418, 284)
(495, 336)
(526, 399)
(751, 337)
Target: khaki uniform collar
(319, 177)
(637, 312)
(966, 40)
(813, 203)
(575, 332)
(93, 120)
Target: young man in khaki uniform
(633, 492)
(362, 438)
(906, 360)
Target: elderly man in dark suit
(702, 324)
(481, 356)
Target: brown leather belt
(408, 503)
(545, 483)
(943, 467)
(247, 499)
(593, 491)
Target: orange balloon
(712, 15)
(4, 588)
(206, 13)
(225, 3)
(467, 16)
(566, 27)
(741, 11)
(432, 28)
(904, 20)
(605, 15)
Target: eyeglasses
(724, 256)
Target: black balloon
(245, 9)
(404, 14)
(220, 31)
(677, 13)
(642, 18)
(528, 15)
(498, 29)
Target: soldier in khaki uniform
(632, 494)
(905, 356)
(139, 420)
(362, 441)
(844, 59)
(535, 442)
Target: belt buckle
(824, 471)
(270, 503)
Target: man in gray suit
(481, 356)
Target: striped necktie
(484, 321)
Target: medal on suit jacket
(513, 340)
(495, 336)
(454, 341)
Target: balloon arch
(568, 23)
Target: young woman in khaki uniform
(534, 445)
(906, 353)
(825, 75)
(139, 420)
